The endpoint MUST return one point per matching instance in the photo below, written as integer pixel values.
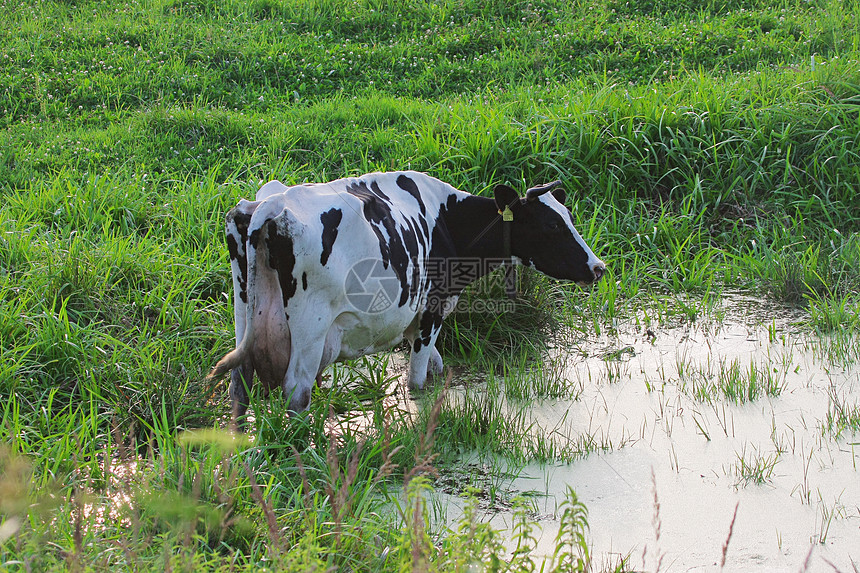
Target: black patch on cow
(254, 238)
(397, 246)
(304, 281)
(416, 244)
(330, 220)
(232, 247)
(376, 208)
(282, 258)
(410, 187)
(241, 220)
(442, 252)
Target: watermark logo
(371, 287)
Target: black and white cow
(332, 271)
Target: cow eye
(554, 226)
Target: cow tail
(256, 247)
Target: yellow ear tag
(507, 214)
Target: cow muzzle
(598, 270)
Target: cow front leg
(241, 379)
(425, 359)
(434, 366)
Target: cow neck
(478, 230)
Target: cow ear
(560, 195)
(506, 197)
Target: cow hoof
(415, 386)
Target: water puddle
(681, 427)
(713, 445)
(111, 506)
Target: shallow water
(664, 488)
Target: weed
(841, 416)
(729, 537)
(731, 381)
(544, 377)
(571, 552)
(756, 468)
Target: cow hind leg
(241, 379)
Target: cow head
(543, 235)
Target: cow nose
(599, 270)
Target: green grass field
(705, 146)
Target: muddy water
(664, 490)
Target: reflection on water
(112, 507)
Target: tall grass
(204, 499)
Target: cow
(326, 272)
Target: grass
(755, 467)
(204, 499)
(838, 348)
(842, 416)
(730, 381)
(527, 379)
(704, 146)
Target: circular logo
(371, 287)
